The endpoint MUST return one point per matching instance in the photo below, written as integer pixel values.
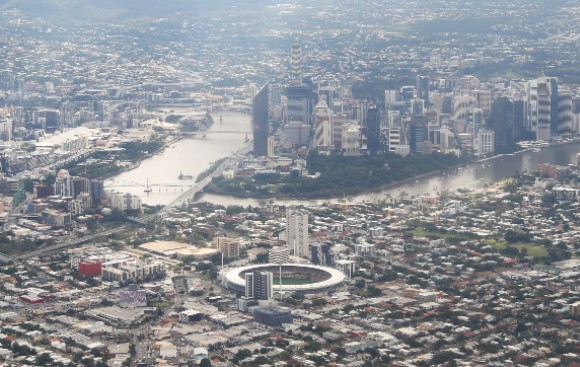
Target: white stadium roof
(233, 277)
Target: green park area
(530, 249)
(291, 281)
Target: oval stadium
(295, 277)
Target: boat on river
(184, 177)
(148, 188)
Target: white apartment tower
(297, 232)
(485, 141)
(543, 102)
(323, 127)
(296, 64)
(259, 285)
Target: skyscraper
(501, 122)
(323, 126)
(299, 104)
(297, 232)
(543, 103)
(565, 115)
(373, 131)
(260, 122)
(423, 89)
(295, 64)
(417, 133)
(300, 101)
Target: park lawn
(291, 281)
(533, 250)
(436, 235)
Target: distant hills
(81, 11)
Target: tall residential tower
(261, 122)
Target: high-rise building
(565, 115)
(543, 104)
(296, 64)
(423, 88)
(501, 122)
(485, 141)
(462, 106)
(395, 138)
(373, 131)
(299, 104)
(323, 126)
(327, 94)
(351, 139)
(391, 97)
(482, 100)
(576, 105)
(407, 93)
(297, 232)
(520, 120)
(320, 254)
(229, 247)
(338, 121)
(279, 255)
(275, 104)
(64, 184)
(417, 133)
(417, 107)
(271, 147)
(6, 128)
(259, 285)
(97, 191)
(446, 137)
(300, 100)
(261, 122)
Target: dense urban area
(354, 183)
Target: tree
(43, 359)
(374, 291)
(205, 363)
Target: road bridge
(199, 186)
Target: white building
(351, 138)
(462, 106)
(135, 271)
(541, 95)
(364, 249)
(485, 142)
(323, 126)
(297, 232)
(125, 201)
(271, 151)
(64, 184)
(446, 138)
(279, 255)
(338, 121)
(403, 150)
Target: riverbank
(465, 175)
(336, 176)
(183, 155)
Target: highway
(70, 242)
